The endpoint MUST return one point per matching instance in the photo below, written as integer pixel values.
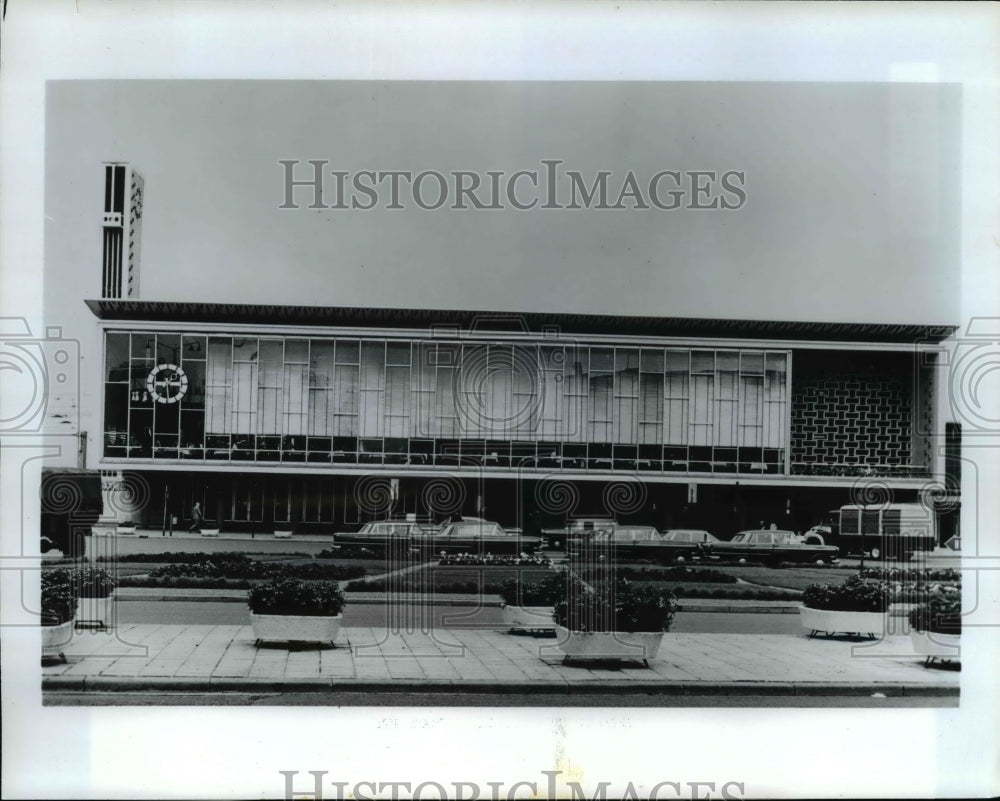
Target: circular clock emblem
(167, 383)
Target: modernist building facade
(321, 418)
(318, 419)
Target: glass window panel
(347, 351)
(424, 359)
(245, 349)
(552, 357)
(626, 359)
(727, 360)
(168, 348)
(218, 385)
(675, 423)
(600, 397)
(320, 413)
(602, 359)
(321, 355)
(296, 351)
(117, 357)
(271, 362)
(727, 385)
(195, 395)
(116, 398)
(143, 346)
(397, 353)
(702, 362)
(752, 363)
(726, 426)
(652, 361)
(194, 346)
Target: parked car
(634, 541)
(578, 530)
(771, 546)
(474, 535)
(380, 533)
(645, 542)
(681, 544)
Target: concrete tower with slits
(121, 221)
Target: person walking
(196, 517)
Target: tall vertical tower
(122, 224)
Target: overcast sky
(851, 213)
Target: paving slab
(191, 658)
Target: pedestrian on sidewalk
(196, 518)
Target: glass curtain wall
(293, 399)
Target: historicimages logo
(41, 380)
(551, 785)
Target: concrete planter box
(295, 628)
(577, 645)
(833, 621)
(934, 645)
(104, 528)
(95, 612)
(282, 535)
(210, 532)
(528, 617)
(55, 638)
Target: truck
(893, 530)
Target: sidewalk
(207, 658)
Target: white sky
(851, 213)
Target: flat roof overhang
(503, 474)
(556, 323)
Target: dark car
(770, 545)
(474, 535)
(380, 534)
(681, 544)
(577, 531)
(645, 542)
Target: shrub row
(685, 574)
(186, 583)
(738, 592)
(180, 557)
(238, 566)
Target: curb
(239, 596)
(166, 684)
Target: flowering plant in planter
(941, 611)
(614, 606)
(854, 595)
(287, 596)
(534, 593)
(92, 582)
(59, 601)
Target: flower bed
(495, 560)
(238, 566)
(918, 575)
